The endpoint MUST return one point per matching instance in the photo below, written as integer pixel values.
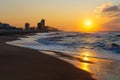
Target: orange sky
(66, 15)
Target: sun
(88, 23)
(87, 26)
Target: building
(27, 26)
(43, 22)
(5, 26)
(41, 25)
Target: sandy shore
(25, 64)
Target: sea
(95, 52)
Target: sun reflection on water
(85, 57)
(85, 67)
(98, 67)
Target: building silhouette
(41, 25)
(27, 26)
(5, 26)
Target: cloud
(102, 7)
(109, 15)
(111, 9)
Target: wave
(104, 45)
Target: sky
(63, 14)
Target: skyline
(63, 14)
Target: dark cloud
(112, 8)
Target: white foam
(30, 42)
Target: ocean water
(96, 52)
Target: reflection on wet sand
(85, 57)
(100, 68)
(85, 67)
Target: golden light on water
(86, 54)
(85, 66)
(94, 65)
(85, 57)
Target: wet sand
(26, 64)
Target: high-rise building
(27, 26)
(43, 22)
(39, 27)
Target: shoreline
(27, 64)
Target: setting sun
(88, 23)
(87, 26)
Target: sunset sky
(69, 15)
